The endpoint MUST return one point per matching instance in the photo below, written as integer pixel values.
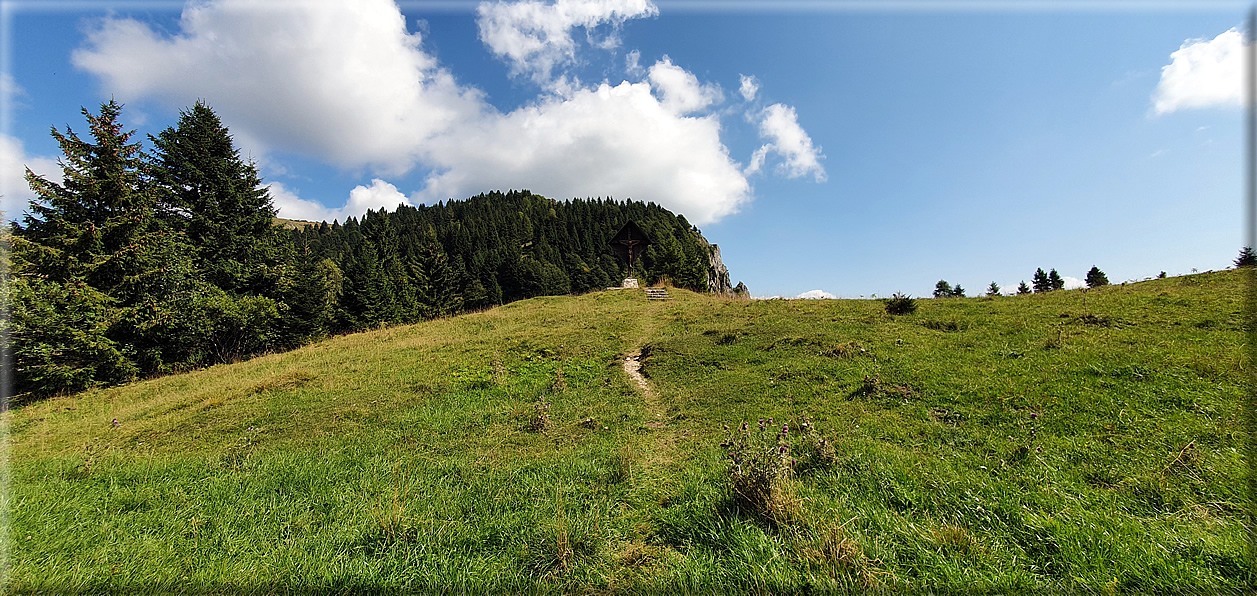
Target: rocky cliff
(717, 274)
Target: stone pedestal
(629, 282)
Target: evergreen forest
(146, 261)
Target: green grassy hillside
(1086, 441)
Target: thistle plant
(541, 419)
(760, 463)
(814, 452)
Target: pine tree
(1041, 281)
(957, 292)
(437, 288)
(87, 260)
(993, 289)
(217, 200)
(1055, 281)
(1022, 288)
(1096, 278)
(97, 225)
(942, 289)
(1247, 257)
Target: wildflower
(116, 424)
(1034, 415)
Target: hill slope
(1062, 441)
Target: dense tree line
(140, 263)
(419, 262)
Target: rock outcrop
(717, 274)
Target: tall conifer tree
(216, 198)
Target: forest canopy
(144, 262)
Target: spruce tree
(1247, 257)
(993, 289)
(1041, 281)
(1096, 278)
(437, 288)
(87, 255)
(942, 289)
(216, 199)
(957, 292)
(1055, 281)
(97, 225)
(1022, 288)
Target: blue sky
(846, 148)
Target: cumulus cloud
(14, 161)
(681, 91)
(616, 141)
(9, 87)
(380, 195)
(346, 83)
(1203, 74)
(535, 37)
(749, 87)
(631, 63)
(779, 124)
(1073, 283)
(344, 80)
(816, 295)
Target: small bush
(761, 462)
(815, 452)
(759, 466)
(900, 304)
(541, 419)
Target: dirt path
(665, 435)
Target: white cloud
(343, 80)
(9, 86)
(347, 84)
(536, 37)
(779, 124)
(610, 141)
(749, 87)
(816, 295)
(631, 64)
(681, 91)
(1073, 283)
(380, 195)
(16, 192)
(1203, 74)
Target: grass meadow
(1082, 441)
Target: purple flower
(1034, 415)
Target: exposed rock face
(717, 274)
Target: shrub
(541, 419)
(815, 452)
(759, 466)
(900, 304)
(762, 461)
